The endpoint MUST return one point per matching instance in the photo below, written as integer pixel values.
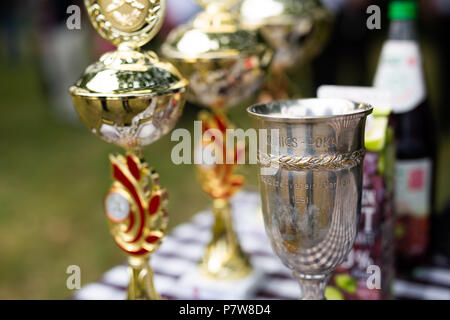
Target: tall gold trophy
(225, 65)
(131, 98)
(297, 30)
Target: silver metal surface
(311, 183)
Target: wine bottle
(400, 71)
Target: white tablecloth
(184, 246)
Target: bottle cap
(403, 10)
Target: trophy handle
(141, 285)
(224, 258)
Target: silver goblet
(311, 183)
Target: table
(184, 246)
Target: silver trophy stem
(312, 288)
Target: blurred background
(54, 173)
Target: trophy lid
(128, 24)
(213, 34)
(124, 73)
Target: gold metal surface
(141, 280)
(128, 23)
(224, 258)
(217, 5)
(129, 73)
(140, 232)
(125, 15)
(131, 98)
(130, 121)
(225, 65)
(296, 29)
(220, 180)
(132, 234)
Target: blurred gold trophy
(131, 99)
(225, 65)
(297, 30)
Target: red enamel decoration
(138, 253)
(249, 64)
(121, 177)
(134, 168)
(154, 203)
(221, 123)
(131, 224)
(152, 239)
(237, 183)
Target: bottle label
(413, 188)
(400, 71)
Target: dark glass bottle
(400, 71)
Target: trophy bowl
(296, 29)
(225, 66)
(311, 183)
(129, 98)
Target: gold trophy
(131, 98)
(225, 65)
(297, 30)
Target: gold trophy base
(225, 271)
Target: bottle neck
(402, 30)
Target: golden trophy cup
(297, 30)
(131, 98)
(225, 65)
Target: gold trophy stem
(224, 258)
(141, 280)
(137, 151)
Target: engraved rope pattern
(338, 161)
(153, 22)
